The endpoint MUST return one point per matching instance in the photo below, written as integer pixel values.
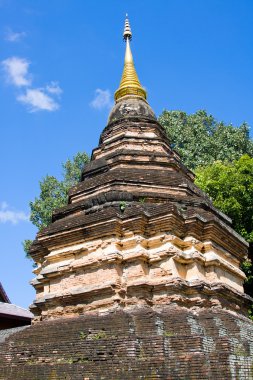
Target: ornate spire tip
(127, 30)
(130, 84)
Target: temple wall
(140, 343)
(107, 268)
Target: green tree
(230, 185)
(220, 155)
(201, 140)
(54, 193)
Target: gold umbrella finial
(130, 84)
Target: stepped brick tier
(137, 230)
(170, 342)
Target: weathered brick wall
(168, 343)
(135, 221)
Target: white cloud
(54, 88)
(16, 70)
(9, 215)
(102, 99)
(36, 99)
(12, 36)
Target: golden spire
(130, 84)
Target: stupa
(136, 230)
(138, 276)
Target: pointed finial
(130, 84)
(127, 30)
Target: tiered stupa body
(136, 229)
(139, 275)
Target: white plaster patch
(196, 329)
(222, 330)
(240, 367)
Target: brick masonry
(140, 343)
(135, 222)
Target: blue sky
(60, 63)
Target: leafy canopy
(221, 157)
(201, 140)
(230, 185)
(54, 193)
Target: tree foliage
(247, 267)
(201, 140)
(230, 185)
(54, 193)
(221, 156)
